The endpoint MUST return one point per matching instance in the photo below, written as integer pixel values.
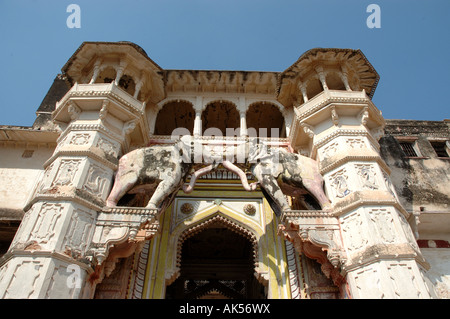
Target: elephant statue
(157, 169)
(279, 173)
(163, 169)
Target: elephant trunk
(230, 166)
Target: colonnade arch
(267, 119)
(216, 116)
(175, 114)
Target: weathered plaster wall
(422, 184)
(439, 274)
(18, 177)
(420, 181)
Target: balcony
(89, 97)
(333, 108)
(351, 99)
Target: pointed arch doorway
(217, 262)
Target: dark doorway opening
(216, 263)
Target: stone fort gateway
(138, 182)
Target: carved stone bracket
(316, 234)
(118, 225)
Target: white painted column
(198, 108)
(302, 87)
(243, 123)
(322, 79)
(242, 108)
(382, 258)
(50, 253)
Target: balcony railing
(329, 96)
(102, 90)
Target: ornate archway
(216, 260)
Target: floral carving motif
(79, 139)
(187, 208)
(250, 209)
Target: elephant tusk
(230, 166)
(189, 188)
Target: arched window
(107, 75)
(266, 119)
(313, 88)
(334, 81)
(218, 117)
(126, 82)
(176, 114)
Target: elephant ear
(276, 209)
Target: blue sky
(410, 51)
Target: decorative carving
(250, 209)
(367, 176)
(104, 110)
(308, 130)
(118, 225)
(80, 139)
(294, 277)
(129, 127)
(45, 227)
(96, 181)
(330, 149)
(339, 183)
(383, 223)
(353, 228)
(313, 233)
(41, 188)
(74, 111)
(357, 143)
(66, 172)
(364, 115)
(107, 147)
(80, 231)
(187, 208)
(323, 238)
(334, 116)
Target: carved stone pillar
(243, 125)
(198, 108)
(322, 78)
(302, 87)
(374, 248)
(242, 108)
(52, 253)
